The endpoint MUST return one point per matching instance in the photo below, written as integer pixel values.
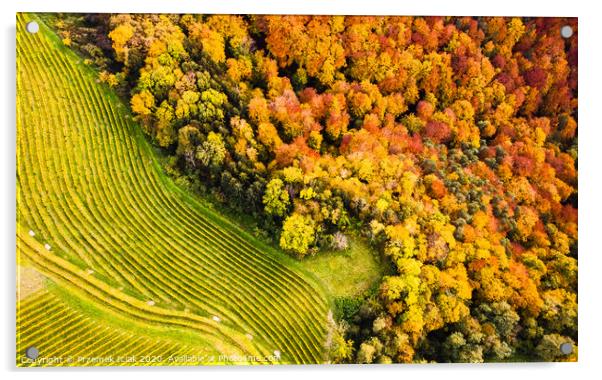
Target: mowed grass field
(346, 273)
(134, 266)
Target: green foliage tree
(165, 125)
(276, 199)
(211, 106)
(212, 152)
(298, 234)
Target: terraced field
(132, 260)
(84, 333)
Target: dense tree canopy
(450, 143)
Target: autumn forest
(447, 146)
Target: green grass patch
(346, 273)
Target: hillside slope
(110, 229)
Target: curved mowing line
(36, 140)
(176, 255)
(78, 283)
(109, 341)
